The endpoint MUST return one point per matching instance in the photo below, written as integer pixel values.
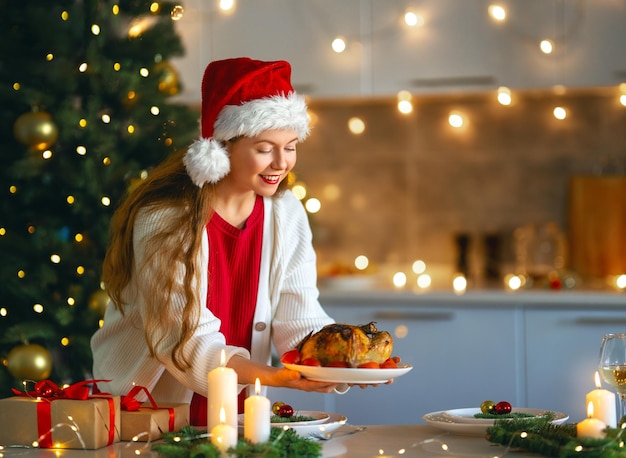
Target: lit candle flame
(257, 386)
(598, 385)
(223, 358)
(222, 415)
(590, 410)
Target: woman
(211, 252)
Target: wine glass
(612, 367)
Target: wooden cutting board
(597, 225)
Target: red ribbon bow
(129, 403)
(47, 389)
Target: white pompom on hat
(242, 97)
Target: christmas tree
(85, 91)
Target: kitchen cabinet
(562, 349)
(533, 350)
(459, 358)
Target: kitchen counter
(482, 298)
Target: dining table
(354, 441)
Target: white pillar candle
(222, 394)
(223, 436)
(256, 423)
(604, 406)
(590, 427)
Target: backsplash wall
(406, 187)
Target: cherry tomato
(311, 362)
(290, 357)
(369, 365)
(337, 364)
(389, 364)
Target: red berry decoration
(285, 411)
(502, 408)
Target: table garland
(190, 442)
(540, 436)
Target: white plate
(319, 418)
(462, 420)
(348, 374)
(333, 422)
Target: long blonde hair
(167, 186)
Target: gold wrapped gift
(58, 422)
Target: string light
(226, 5)
(399, 279)
(313, 205)
(361, 262)
(424, 280)
(413, 19)
(356, 125)
(405, 105)
(339, 45)
(504, 96)
(177, 13)
(456, 120)
(418, 267)
(559, 113)
(299, 190)
(497, 12)
(546, 46)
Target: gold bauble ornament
(29, 362)
(36, 130)
(168, 79)
(98, 301)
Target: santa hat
(242, 97)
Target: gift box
(149, 423)
(59, 422)
(149, 420)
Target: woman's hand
(291, 379)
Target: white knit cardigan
(287, 310)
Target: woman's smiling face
(260, 163)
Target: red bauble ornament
(285, 411)
(502, 408)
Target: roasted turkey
(344, 343)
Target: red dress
(234, 263)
